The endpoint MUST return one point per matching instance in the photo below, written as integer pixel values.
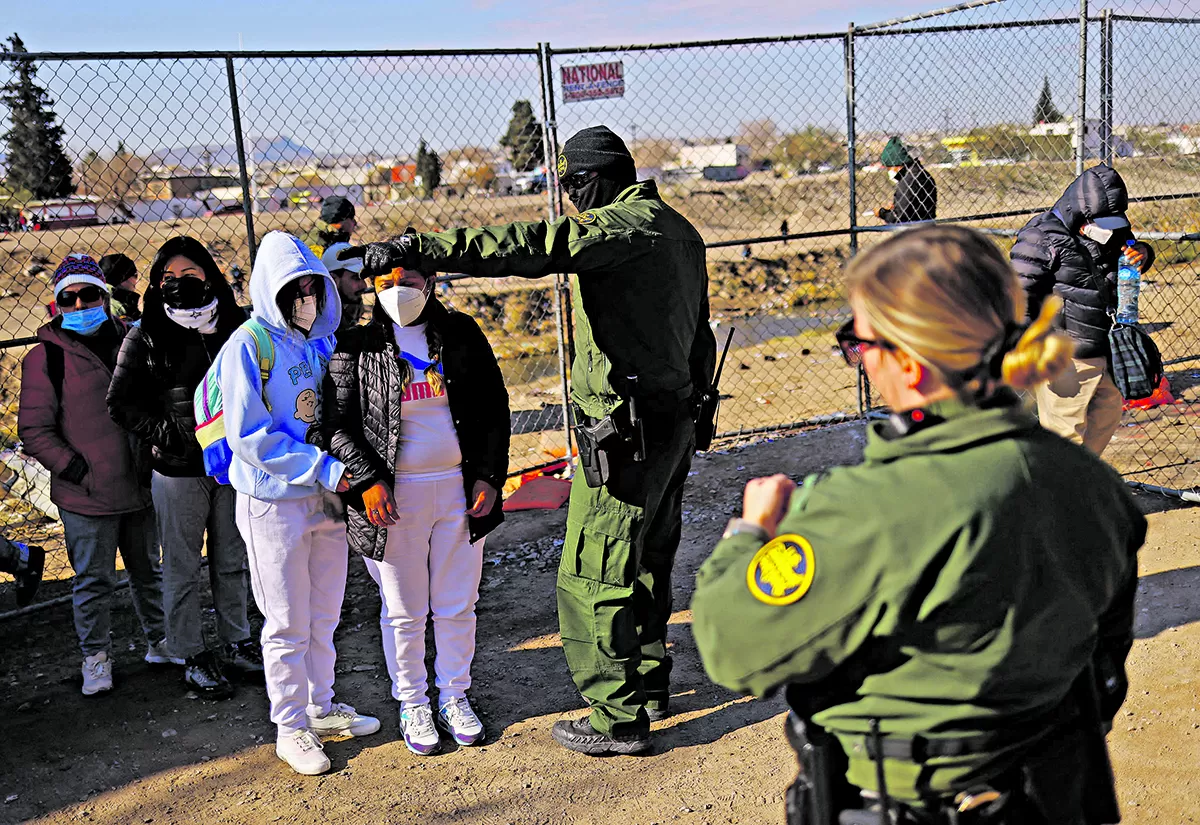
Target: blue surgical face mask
(85, 321)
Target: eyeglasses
(577, 180)
(88, 294)
(309, 285)
(852, 346)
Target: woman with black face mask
(190, 312)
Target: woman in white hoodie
(286, 510)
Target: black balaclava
(596, 149)
(118, 269)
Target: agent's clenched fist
(381, 258)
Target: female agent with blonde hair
(950, 618)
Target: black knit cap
(596, 148)
(117, 268)
(336, 209)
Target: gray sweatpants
(186, 508)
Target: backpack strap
(264, 349)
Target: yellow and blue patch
(585, 218)
(781, 572)
(562, 164)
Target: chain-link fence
(770, 146)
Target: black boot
(202, 673)
(29, 576)
(245, 659)
(579, 736)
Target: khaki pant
(1082, 404)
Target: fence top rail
(254, 55)
(695, 44)
(1140, 18)
(925, 15)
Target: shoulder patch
(782, 571)
(561, 166)
(585, 218)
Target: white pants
(297, 555)
(429, 564)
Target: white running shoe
(343, 720)
(418, 730)
(158, 654)
(302, 750)
(97, 674)
(457, 718)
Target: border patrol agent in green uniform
(950, 618)
(644, 352)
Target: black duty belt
(920, 749)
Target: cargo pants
(614, 578)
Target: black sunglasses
(577, 180)
(852, 346)
(88, 294)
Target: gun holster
(810, 798)
(705, 417)
(598, 439)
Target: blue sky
(137, 25)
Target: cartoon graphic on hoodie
(273, 458)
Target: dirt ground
(150, 753)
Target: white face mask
(403, 304)
(1100, 236)
(894, 175)
(304, 313)
(202, 318)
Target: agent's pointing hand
(381, 258)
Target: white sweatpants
(429, 564)
(297, 555)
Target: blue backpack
(209, 405)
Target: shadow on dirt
(1167, 599)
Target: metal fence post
(1106, 86)
(1081, 115)
(850, 137)
(247, 209)
(554, 209)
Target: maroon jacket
(55, 432)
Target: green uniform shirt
(954, 583)
(640, 295)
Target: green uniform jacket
(640, 295)
(954, 583)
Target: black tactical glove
(381, 258)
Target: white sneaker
(418, 730)
(456, 717)
(302, 750)
(343, 720)
(157, 654)
(97, 674)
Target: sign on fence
(593, 81)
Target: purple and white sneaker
(418, 730)
(456, 717)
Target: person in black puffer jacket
(189, 312)
(1072, 251)
(415, 406)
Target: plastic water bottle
(1129, 284)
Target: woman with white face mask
(416, 408)
(189, 313)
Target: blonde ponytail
(1041, 353)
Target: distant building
(719, 161)
(164, 187)
(1091, 137)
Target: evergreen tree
(429, 169)
(1046, 111)
(523, 140)
(36, 160)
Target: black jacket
(1050, 256)
(158, 369)
(916, 196)
(361, 414)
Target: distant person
(916, 192)
(350, 283)
(25, 563)
(336, 225)
(121, 274)
(1071, 251)
(100, 477)
(783, 229)
(286, 511)
(190, 313)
